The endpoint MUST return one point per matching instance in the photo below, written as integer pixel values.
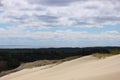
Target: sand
(85, 68)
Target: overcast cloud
(30, 19)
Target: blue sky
(64, 23)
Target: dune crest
(85, 68)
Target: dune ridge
(85, 68)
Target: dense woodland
(12, 58)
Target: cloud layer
(35, 20)
(46, 13)
(59, 38)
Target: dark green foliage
(13, 63)
(16, 56)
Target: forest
(13, 58)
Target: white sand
(85, 68)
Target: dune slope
(85, 68)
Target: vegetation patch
(104, 55)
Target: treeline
(14, 57)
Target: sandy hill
(85, 68)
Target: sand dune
(85, 68)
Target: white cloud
(59, 37)
(88, 13)
(44, 14)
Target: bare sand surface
(85, 68)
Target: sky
(60, 23)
